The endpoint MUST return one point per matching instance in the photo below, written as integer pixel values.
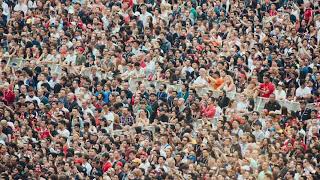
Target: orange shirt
(216, 84)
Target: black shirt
(272, 106)
(223, 101)
(303, 114)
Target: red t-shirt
(273, 12)
(44, 133)
(142, 64)
(308, 14)
(269, 87)
(209, 111)
(9, 95)
(106, 166)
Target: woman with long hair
(229, 85)
(142, 118)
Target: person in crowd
(266, 88)
(272, 104)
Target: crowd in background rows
(159, 89)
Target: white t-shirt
(34, 98)
(301, 92)
(39, 84)
(242, 106)
(150, 68)
(218, 112)
(52, 83)
(280, 94)
(145, 165)
(88, 167)
(6, 10)
(144, 18)
(137, 73)
(187, 69)
(88, 111)
(109, 116)
(54, 58)
(71, 58)
(77, 91)
(64, 133)
(21, 7)
(32, 4)
(158, 167)
(238, 131)
(259, 135)
(200, 81)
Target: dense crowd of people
(159, 89)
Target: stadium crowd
(159, 89)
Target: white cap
(2, 142)
(137, 13)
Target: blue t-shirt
(105, 95)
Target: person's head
(168, 74)
(185, 140)
(216, 74)
(99, 87)
(185, 87)
(255, 115)
(75, 84)
(257, 126)
(202, 72)
(142, 87)
(62, 124)
(31, 93)
(137, 65)
(143, 9)
(162, 87)
(280, 85)
(41, 77)
(161, 160)
(153, 97)
(164, 139)
(23, 89)
(126, 85)
(266, 79)
(75, 111)
(303, 104)
(211, 101)
(101, 96)
(180, 102)
(71, 97)
(125, 111)
(290, 175)
(235, 124)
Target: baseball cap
(137, 13)
(2, 142)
